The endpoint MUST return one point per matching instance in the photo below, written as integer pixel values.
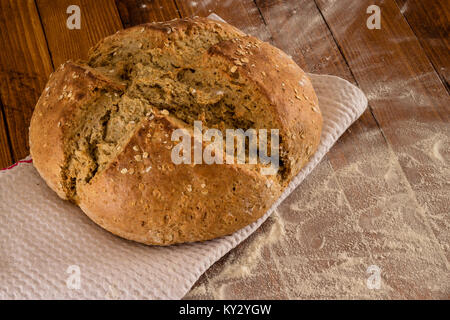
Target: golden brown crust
(71, 86)
(293, 100)
(140, 194)
(134, 199)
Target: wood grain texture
(24, 68)
(137, 12)
(407, 98)
(298, 29)
(98, 19)
(5, 151)
(430, 22)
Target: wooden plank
(242, 14)
(315, 50)
(430, 22)
(133, 13)
(24, 68)
(317, 47)
(297, 28)
(98, 19)
(6, 158)
(409, 67)
(409, 101)
(355, 194)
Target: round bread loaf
(101, 132)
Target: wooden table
(379, 198)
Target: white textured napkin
(50, 250)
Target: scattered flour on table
(329, 230)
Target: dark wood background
(403, 68)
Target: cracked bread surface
(100, 134)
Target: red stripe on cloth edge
(16, 164)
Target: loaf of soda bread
(100, 135)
